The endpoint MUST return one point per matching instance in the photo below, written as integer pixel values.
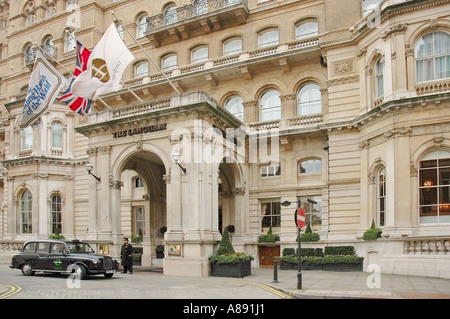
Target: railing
(10, 246)
(426, 246)
(189, 11)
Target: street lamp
(89, 168)
(176, 157)
(299, 271)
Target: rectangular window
(270, 170)
(270, 214)
(313, 211)
(139, 220)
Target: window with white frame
(309, 100)
(432, 55)
(199, 54)
(270, 214)
(232, 46)
(234, 106)
(379, 78)
(270, 106)
(270, 170)
(169, 62)
(200, 7)
(142, 26)
(310, 166)
(381, 196)
(434, 187)
(170, 14)
(27, 138)
(312, 205)
(141, 69)
(138, 183)
(139, 220)
(57, 133)
(56, 214)
(69, 40)
(26, 215)
(306, 30)
(268, 38)
(49, 46)
(29, 54)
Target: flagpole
(145, 52)
(46, 53)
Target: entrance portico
(143, 138)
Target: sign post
(300, 222)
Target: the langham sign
(140, 130)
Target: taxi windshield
(80, 248)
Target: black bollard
(275, 273)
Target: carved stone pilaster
(114, 183)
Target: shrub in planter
(56, 235)
(339, 250)
(288, 252)
(159, 251)
(136, 239)
(269, 237)
(372, 233)
(227, 262)
(309, 236)
(230, 228)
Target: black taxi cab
(63, 257)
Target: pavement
(332, 284)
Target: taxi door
(42, 251)
(57, 259)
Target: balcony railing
(189, 11)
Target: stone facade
(341, 102)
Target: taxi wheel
(27, 270)
(82, 272)
(108, 275)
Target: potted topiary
(309, 236)
(228, 263)
(56, 235)
(372, 233)
(269, 237)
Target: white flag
(45, 84)
(106, 64)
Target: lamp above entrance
(176, 158)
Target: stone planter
(287, 266)
(238, 270)
(343, 267)
(312, 266)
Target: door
(267, 255)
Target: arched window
(432, 54)
(369, 5)
(57, 132)
(69, 40)
(200, 7)
(29, 54)
(379, 78)
(309, 100)
(232, 46)
(142, 26)
(170, 14)
(310, 166)
(49, 47)
(56, 211)
(306, 30)
(434, 187)
(138, 183)
(120, 31)
(27, 138)
(268, 38)
(381, 196)
(26, 216)
(169, 62)
(199, 54)
(270, 106)
(141, 69)
(235, 107)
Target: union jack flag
(77, 104)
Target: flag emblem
(100, 70)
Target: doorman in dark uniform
(126, 256)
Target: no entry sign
(300, 217)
